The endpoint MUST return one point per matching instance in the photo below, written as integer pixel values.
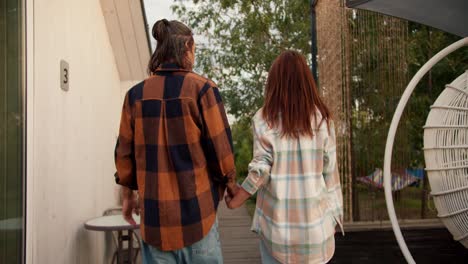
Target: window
(11, 131)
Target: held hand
(129, 206)
(233, 202)
(228, 200)
(232, 189)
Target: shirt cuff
(252, 183)
(132, 184)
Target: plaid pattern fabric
(175, 147)
(299, 200)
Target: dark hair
(173, 39)
(291, 97)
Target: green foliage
(375, 92)
(424, 43)
(241, 40)
(243, 142)
(242, 139)
(378, 74)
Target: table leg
(130, 246)
(120, 249)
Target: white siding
(128, 37)
(71, 135)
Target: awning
(448, 15)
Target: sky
(156, 10)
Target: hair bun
(161, 29)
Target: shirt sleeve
(260, 166)
(331, 176)
(124, 150)
(216, 136)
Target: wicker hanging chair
(446, 155)
(446, 131)
(445, 150)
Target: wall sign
(64, 75)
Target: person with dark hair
(294, 169)
(175, 148)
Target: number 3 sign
(64, 75)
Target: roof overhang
(128, 35)
(448, 15)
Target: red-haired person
(294, 169)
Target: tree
(424, 43)
(241, 40)
(243, 141)
(376, 60)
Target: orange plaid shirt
(175, 147)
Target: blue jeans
(207, 250)
(267, 258)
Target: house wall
(70, 135)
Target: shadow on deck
(429, 245)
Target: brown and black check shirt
(175, 147)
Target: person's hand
(228, 199)
(232, 189)
(233, 202)
(130, 205)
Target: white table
(117, 223)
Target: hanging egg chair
(445, 151)
(446, 155)
(446, 130)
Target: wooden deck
(427, 242)
(430, 245)
(239, 244)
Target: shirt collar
(170, 67)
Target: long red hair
(291, 97)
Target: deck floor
(238, 243)
(428, 245)
(434, 245)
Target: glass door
(11, 131)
